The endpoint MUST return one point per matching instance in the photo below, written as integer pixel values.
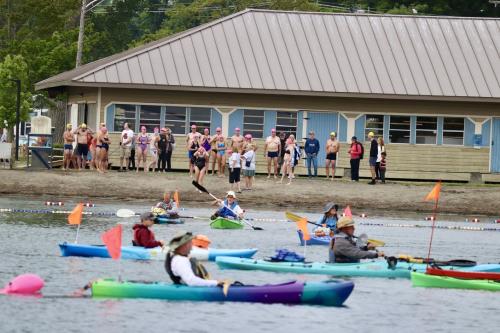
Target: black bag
(248, 163)
(362, 151)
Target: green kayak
(225, 223)
(434, 281)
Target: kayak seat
(284, 255)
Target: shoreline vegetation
(302, 195)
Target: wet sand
(302, 195)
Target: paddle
(295, 218)
(201, 188)
(453, 262)
(125, 213)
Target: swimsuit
(200, 162)
(206, 145)
(143, 144)
(221, 151)
(68, 146)
(331, 156)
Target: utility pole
(80, 35)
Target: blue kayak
(370, 268)
(141, 253)
(315, 240)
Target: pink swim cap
(143, 127)
(273, 130)
(248, 136)
(237, 129)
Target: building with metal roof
(429, 86)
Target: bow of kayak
(141, 253)
(168, 220)
(434, 281)
(224, 223)
(328, 293)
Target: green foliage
(13, 67)
(45, 32)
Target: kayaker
(143, 236)
(328, 221)
(228, 208)
(166, 207)
(185, 270)
(344, 246)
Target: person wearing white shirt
(182, 269)
(248, 168)
(126, 144)
(235, 170)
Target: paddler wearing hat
(143, 236)
(345, 247)
(185, 270)
(328, 221)
(228, 208)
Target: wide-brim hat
(180, 239)
(345, 221)
(329, 207)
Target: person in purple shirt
(311, 148)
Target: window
(286, 122)
(453, 131)
(399, 131)
(124, 113)
(426, 130)
(201, 118)
(253, 123)
(150, 117)
(175, 119)
(375, 124)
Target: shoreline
(302, 195)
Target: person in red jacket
(355, 151)
(143, 236)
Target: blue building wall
(215, 120)
(235, 120)
(342, 129)
(269, 122)
(486, 133)
(322, 123)
(359, 128)
(110, 117)
(469, 129)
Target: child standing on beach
(235, 170)
(383, 166)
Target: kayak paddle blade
(125, 213)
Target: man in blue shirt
(311, 148)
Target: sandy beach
(302, 195)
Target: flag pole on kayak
(433, 195)
(75, 217)
(113, 241)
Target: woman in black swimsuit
(200, 164)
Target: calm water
(28, 243)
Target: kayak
(372, 268)
(328, 293)
(315, 240)
(463, 274)
(225, 223)
(168, 220)
(434, 281)
(141, 253)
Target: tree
(13, 68)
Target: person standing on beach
(332, 148)
(205, 142)
(373, 157)
(355, 151)
(153, 149)
(236, 140)
(213, 152)
(272, 150)
(311, 148)
(69, 138)
(125, 144)
(82, 148)
(192, 145)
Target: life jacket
(198, 269)
(341, 258)
(324, 221)
(225, 212)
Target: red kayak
(463, 274)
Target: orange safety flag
(347, 211)
(113, 241)
(434, 194)
(75, 217)
(302, 226)
(176, 198)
